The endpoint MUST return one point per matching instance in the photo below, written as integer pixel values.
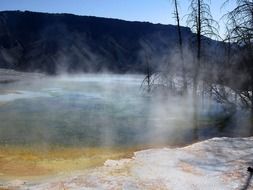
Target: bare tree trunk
(148, 74)
(196, 73)
(201, 22)
(181, 47)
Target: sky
(155, 11)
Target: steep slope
(53, 43)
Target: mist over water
(102, 111)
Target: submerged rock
(219, 163)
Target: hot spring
(76, 122)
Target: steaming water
(95, 110)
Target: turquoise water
(93, 110)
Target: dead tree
(201, 22)
(180, 43)
(146, 52)
(240, 25)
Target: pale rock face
(219, 163)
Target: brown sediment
(33, 162)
